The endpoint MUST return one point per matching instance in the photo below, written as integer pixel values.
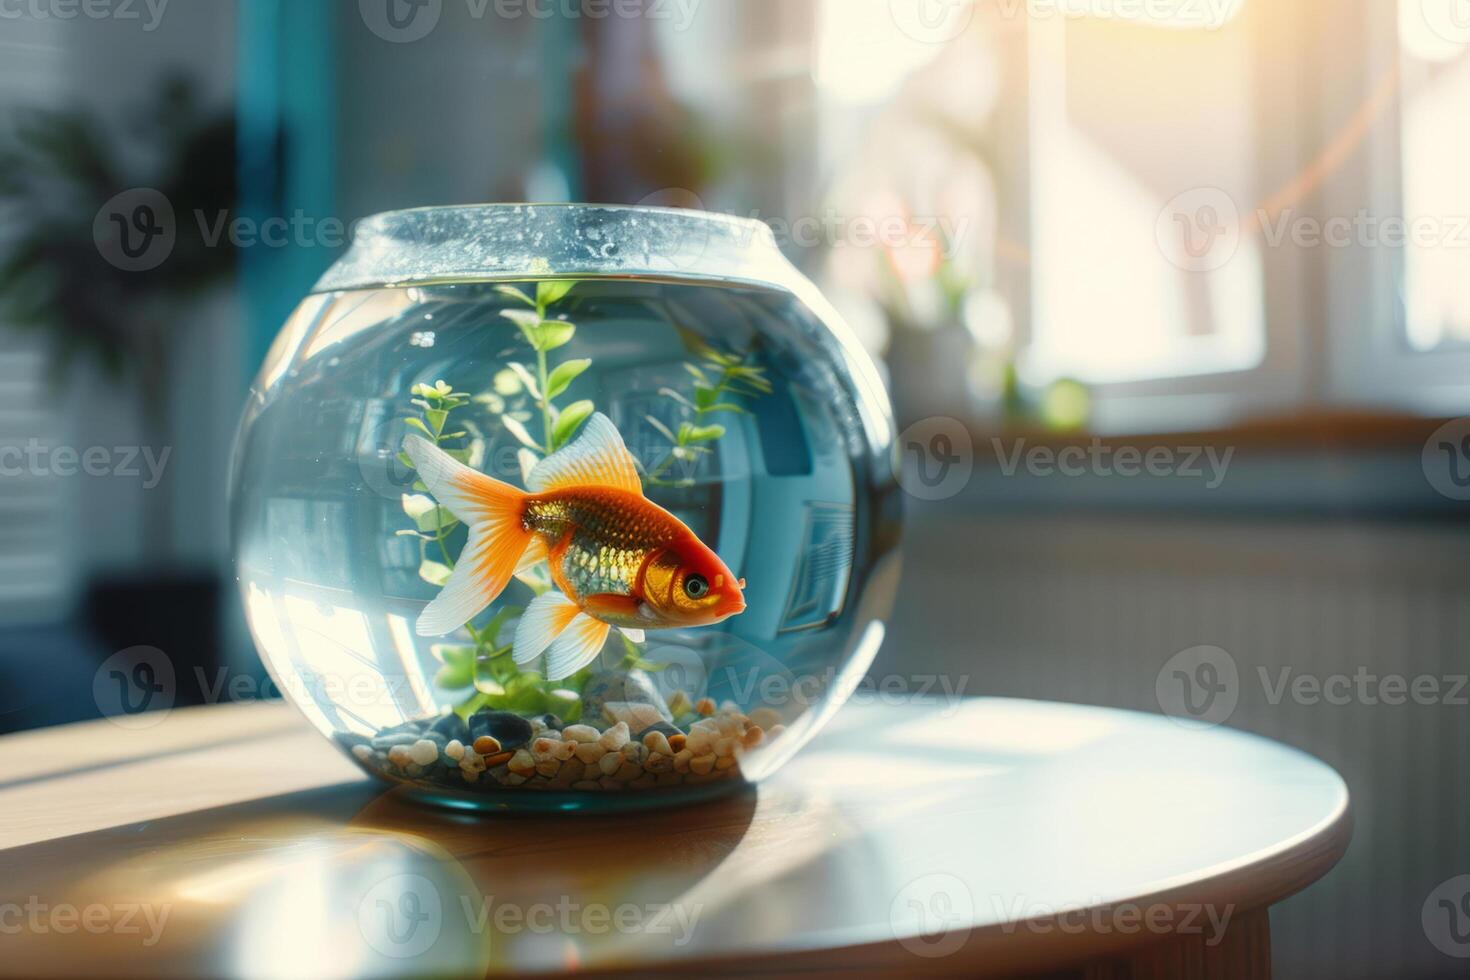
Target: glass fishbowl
(565, 507)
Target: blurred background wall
(1231, 234)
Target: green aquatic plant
(483, 673)
(545, 334)
(721, 380)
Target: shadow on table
(349, 880)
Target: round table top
(982, 836)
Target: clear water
(337, 551)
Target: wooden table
(985, 838)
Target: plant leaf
(527, 379)
(551, 334)
(671, 393)
(433, 572)
(515, 294)
(518, 430)
(436, 418)
(551, 291)
(471, 704)
(452, 653)
(701, 433)
(662, 429)
(572, 416)
(419, 425)
(566, 372)
(454, 677)
(526, 320)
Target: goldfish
(617, 559)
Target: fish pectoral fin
(596, 458)
(576, 647)
(548, 615)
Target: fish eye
(696, 586)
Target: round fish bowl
(565, 507)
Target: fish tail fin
(555, 625)
(498, 539)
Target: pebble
(607, 689)
(725, 762)
(451, 726)
(590, 752)
(646, 781)
(615, 737)
(470, 776)
(522, 764)
(658, 742)
(668, 779)
(725, 746)
(679, 704)
(765, 718)
(753, 736)
(635, 716)
(607, 782)
(398, 755)
(386, 742)
(454, 750)
(362, 752)
(548, 767)
(470, 762)
(609, 763)
(587, 785)
(705, 706)
(657, 762)
(423, 752)
(581, 733)
(514, 779)
(499, 759)
(542, 748)
(628, 772)
(572, 769)
(634, 752)
(699, 741)
(506, 727)
(676, 742)
(730, 724)
(487, 745)
(681, 760)
(702, 764)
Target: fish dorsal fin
(597, 458)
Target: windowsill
(1337, 466)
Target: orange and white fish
(617, 558)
